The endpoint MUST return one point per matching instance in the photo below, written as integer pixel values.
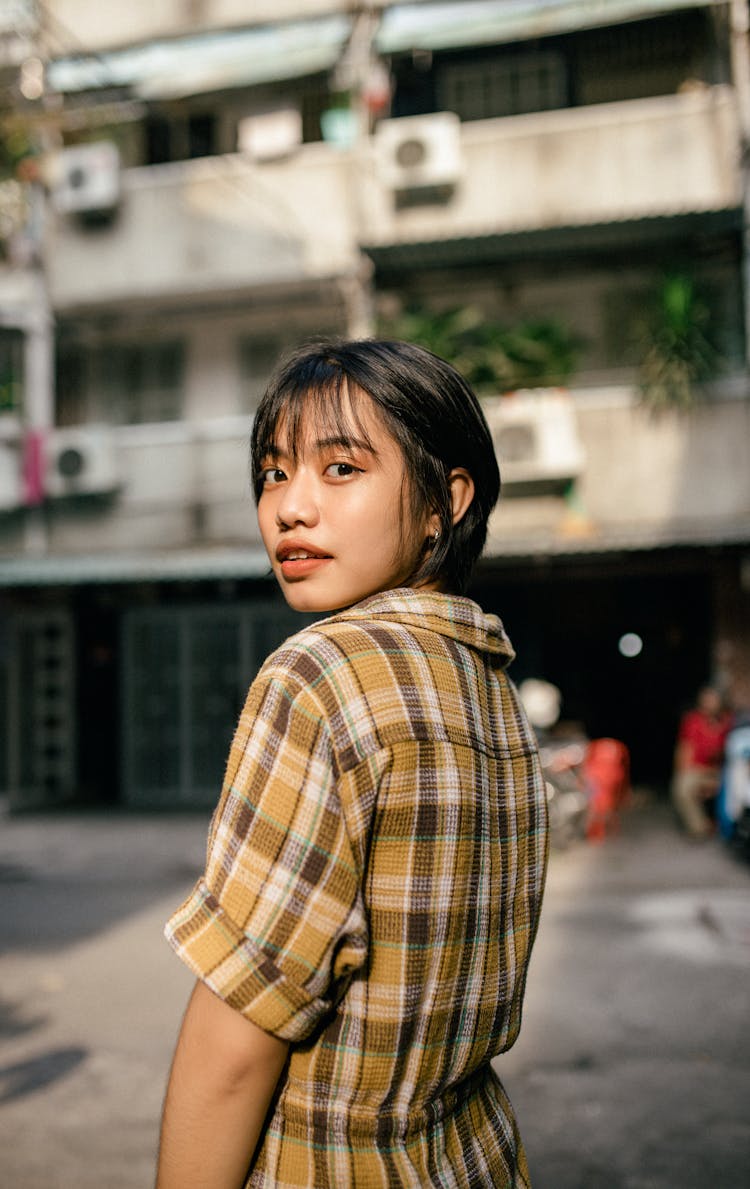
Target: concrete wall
(671, 468)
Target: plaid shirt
(374, 878)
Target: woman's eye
(272, 475)
(341, 470)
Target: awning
(495, 246)
(171, 69)
(252, 562)
(611, 539)
(436, 26)
(210, 61)
(182, 566)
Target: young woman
(375, 865)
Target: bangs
(325, 405)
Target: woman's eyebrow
(346, 442)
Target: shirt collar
(454, 616)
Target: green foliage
(676, 353)
(15, 146)
(493, 358)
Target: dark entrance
(567, 624)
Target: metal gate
(186, 671)
(41, 710)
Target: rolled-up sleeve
(277, 925)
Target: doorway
(627, 650)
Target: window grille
(503, 85)
(120, 383)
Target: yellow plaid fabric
(372, 890)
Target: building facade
(190, 195)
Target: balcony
(174, 499)
(213, 226)
(227, 224)
(644, 158)
(680, 478)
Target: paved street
(632, 1071)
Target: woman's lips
(300, 567)
(298, 562)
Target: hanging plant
(493, 358)
(676, 353)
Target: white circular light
(630, 644)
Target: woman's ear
(462, 492)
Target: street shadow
(26, 1077)
(14, 1022)
(12, 872)
(48, 915)
(74, 877)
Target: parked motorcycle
(567, 789)
(588, 780)
(562, 759)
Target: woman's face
(334, 520)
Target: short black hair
(428, 408)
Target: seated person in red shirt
(697, 762)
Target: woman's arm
(224, 1073)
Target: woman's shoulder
(333, 678)
(323, 650)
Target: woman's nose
(298, 504)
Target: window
(259, 355)
(70, 384)
(158, 146)
(201, 134)
(640, 59)
(120, 383)
(11, 370)
(503, 85)
(179, 136)
(139, 382)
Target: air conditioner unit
(86, 179)
(536, 436)
(419, 152)
(80, 461)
